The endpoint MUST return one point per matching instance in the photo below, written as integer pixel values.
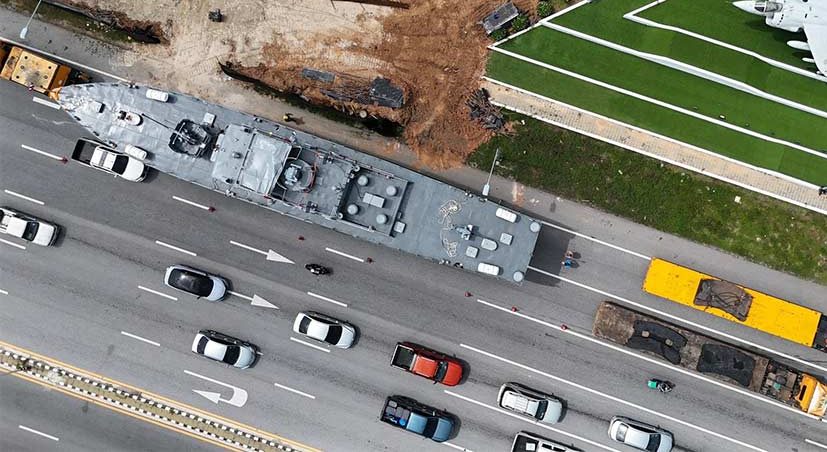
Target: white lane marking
(598, 241)
(357, 259)
(464, 449)
(24, 197)
(175, 248)
(4, 292)
(161, 294)
(309, 344)
(330, 300)
(133, 336)
(16, 245)
(271, 255)
(524, 419)
(650, 360)
(239, 397)
(60, 58)
(47, 154)
(31, 430)
(612, 398)
(45, 102)
(815, 443)
(680, 320)
(286, 388)
(194, 204)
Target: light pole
(487, 187)
(25, 29)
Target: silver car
(529, 402)
(640, 435)
(196, 282)
(225, 349)
(325, 329)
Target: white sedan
(325, 329)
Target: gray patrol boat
(306, 177)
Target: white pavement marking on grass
(679, 319)
(134, 336)
(309, 344)
(330, 300)
(661, 103)
(31, 430)
(47, 154)
(161, 294)
(815, 443)
(464, 449)
(340, 253)
(612, 398)
(648, 359)
(14, 193)
(175, 248)
(287, 388)
(60, 58)
(598, 241)
(45, 102)
(16, 245)
(525, 419)
(194, 204)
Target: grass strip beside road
(644, 190)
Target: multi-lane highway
(97, 301)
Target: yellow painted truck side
(766, 313)
(31, 70)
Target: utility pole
(487, 187)
(25, 29)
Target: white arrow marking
(29, 148)
(239, 397)
(271, 255)
(40, 101)
(261, 302)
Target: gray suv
(529, 402)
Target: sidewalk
(683, 155)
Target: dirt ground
(434, 50)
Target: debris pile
(483, 111)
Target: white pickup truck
(108, 160)
(27, 227)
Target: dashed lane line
(38, 151)
(309, 344)
(343, 254)
(10, 243)
(329, 300)
(14, 193)
(295, 391)
(36, 432)
(134, 336)
(172, 247)
(45, 102)
(160, 294)
(598, 241)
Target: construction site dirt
(336, 53)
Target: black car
(196, 282)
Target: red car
(427, 363)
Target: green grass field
(604, 19)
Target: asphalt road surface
(97, 301)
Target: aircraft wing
(817, 40)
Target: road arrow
(271, 255)
(239, 397)
(213, 397)
(258, 301)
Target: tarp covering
(728, 362)
(659, 339)
(724, 295)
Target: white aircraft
(794, 16)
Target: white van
(154, 94)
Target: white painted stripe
(47, 154)
(613, 398)
(4, 292)
(133, 336)
(158, 293)
(24, 197)
(320, 297)
(815, 443)
(651, 360)
(16, 245)
(59, 58)
(464, 449)
(240, 295)
(525, 419)
(596, 240)
(660, 313)
(53, 438)
(194, 204)
(309, 396)
(175, 248)
(248, 247)
(45, 102)
(357, 259)
(309, 344)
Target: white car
(27, 227)
(225, 349)
(325, 329)
(639, 435)
(120, 165)
(529, 402)
(195, 281)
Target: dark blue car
(406, 413)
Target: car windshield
(542, 406)
(304, 324)
(430, 427)
(202, 344)
(197, 284)
(334, 333)
(654, 442)
(232, 354)
(119, 165)
(441, 370)
(621, 432)
(31, 230)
